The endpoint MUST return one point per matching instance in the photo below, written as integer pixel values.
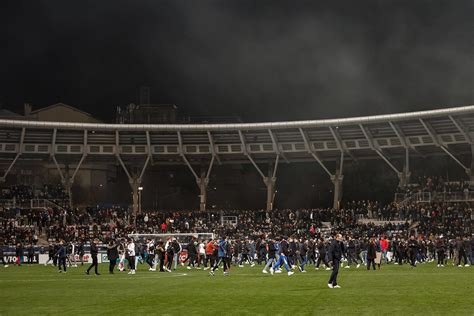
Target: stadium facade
(330, 143)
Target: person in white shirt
(131, 255)
(201, 253)
(72, 255)
(122, 249)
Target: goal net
(182, 238)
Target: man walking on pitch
(112, 254)
(282, 259)
(94, 253)
(335, 255)
(224, 253)
(61, 254)
(131, 255)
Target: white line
(92, 277)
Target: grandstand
(330, 143)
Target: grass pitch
(393, 290)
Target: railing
(29, 203)
(379, 222)
(403, 199)
(8, 203)
(418, 197)
(455, 196)
(400, 197)
(229, 220)
(43, 203)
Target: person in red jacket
(384, 245)
(163, 227)
(210, 247)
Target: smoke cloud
(261, 60)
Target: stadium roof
(443, 131)
(245, 126)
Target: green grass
(394, 290)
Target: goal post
(180, 237)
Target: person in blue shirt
(283, 258)
(224, 253)
(61, 254)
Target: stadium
(150, 208)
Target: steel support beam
(148, 144)
(404, 176)
(277, 146)
(212, 146)
(3, 178)
(368, 136)
(401, 137)
(340, 144)
(337, 177)
(181, 153)
(313, 153)
(435, 139)
(336, 180)
(61, 175)
(244, 149)
(203, 183)
(268, 180)
(462, 129)
(471, 170)
(202, 180)
(135, 178)
(53, 142)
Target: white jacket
(131, 249)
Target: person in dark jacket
(112, 255)
(335, 255)
(94, 253)
(61, 254)
(50, 254)
(440, 250)
(413, 250)
(160, 252)
(170, 256)
(30, 253)
(322, 255)
(271, 250)
(192, 253)
(462, 245)
(80, 252)
(371, 253)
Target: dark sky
(261, 60)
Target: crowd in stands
(435, 184)
(24, 193)
(363, 218)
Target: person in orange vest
(210, 247)
(384, 246)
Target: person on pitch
(131, 255)
(113, 255)
(282, 259)
(224, 253)
(95, 262)
(335, 255)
